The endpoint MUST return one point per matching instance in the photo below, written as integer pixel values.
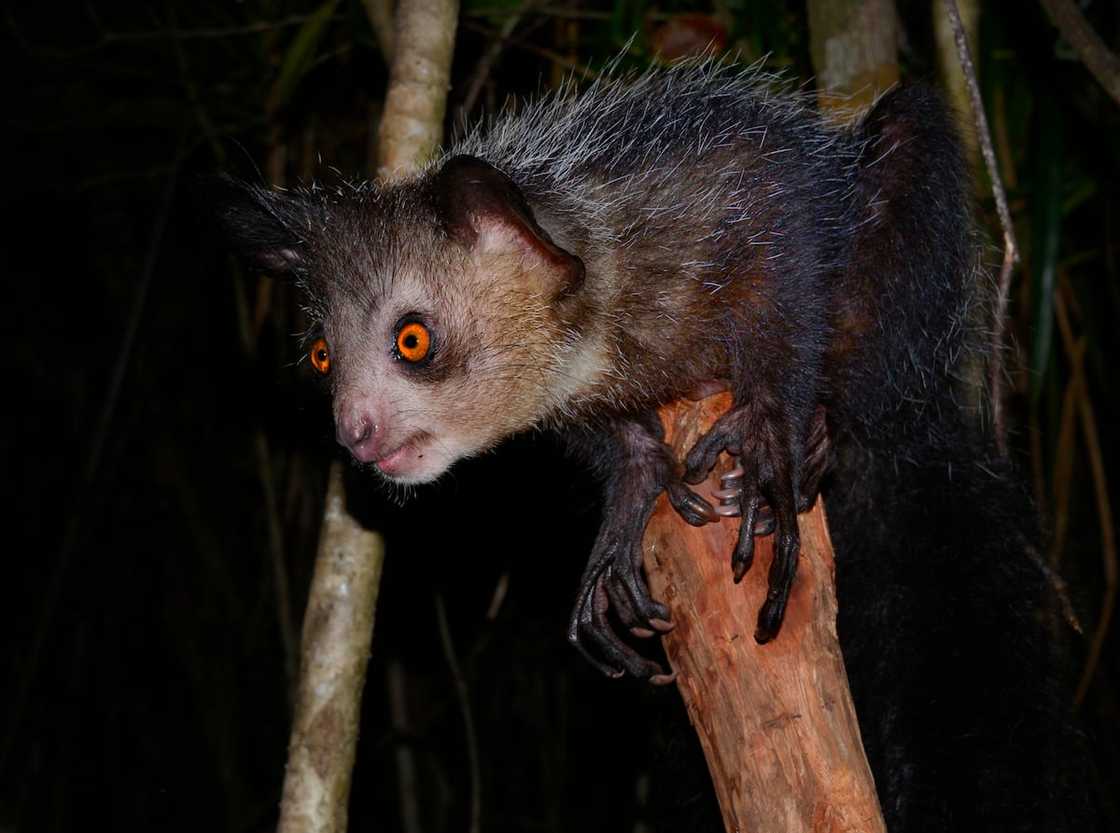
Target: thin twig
(276, 548)
(465, 708)
(1102, 62)
(108, 39)
(1060, 588)
(397, 685)
(1010, 248)
(486, 62)
(562, 12)
(500, 590)
(249, 334)
(1062, 474)
(1104, 503)
(87, 492)
(205, 122)
(579, 69)
(208, 32)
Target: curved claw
(639, 612)
(626, 574)
(620, 601)
(743, 556)
(783, 568)
(782, 573)
(581, 619)
(589, 620)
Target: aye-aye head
(441, 311)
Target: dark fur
(941, 598)
(701, 230)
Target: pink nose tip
(358, 432)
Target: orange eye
(413, 342)
(320, 356)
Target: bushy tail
(940, 588)
(910, 305)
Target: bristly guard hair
(578, 150)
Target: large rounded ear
(484, 209)
(260, 223)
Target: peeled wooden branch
(776, 721)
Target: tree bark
(412, 124)
(776, 721)
(854, 47)
(337, 631)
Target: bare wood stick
(337, 631)
(1010, 248)
(776, 721)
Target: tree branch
(412, 124)
(776, 721)
(337, 631)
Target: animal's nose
(357, 430)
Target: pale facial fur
(500, 356)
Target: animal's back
(705, 201)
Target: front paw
(612, 583)
(816, 464)
(767, 477)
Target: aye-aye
(577, 263)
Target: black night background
(166, 451)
